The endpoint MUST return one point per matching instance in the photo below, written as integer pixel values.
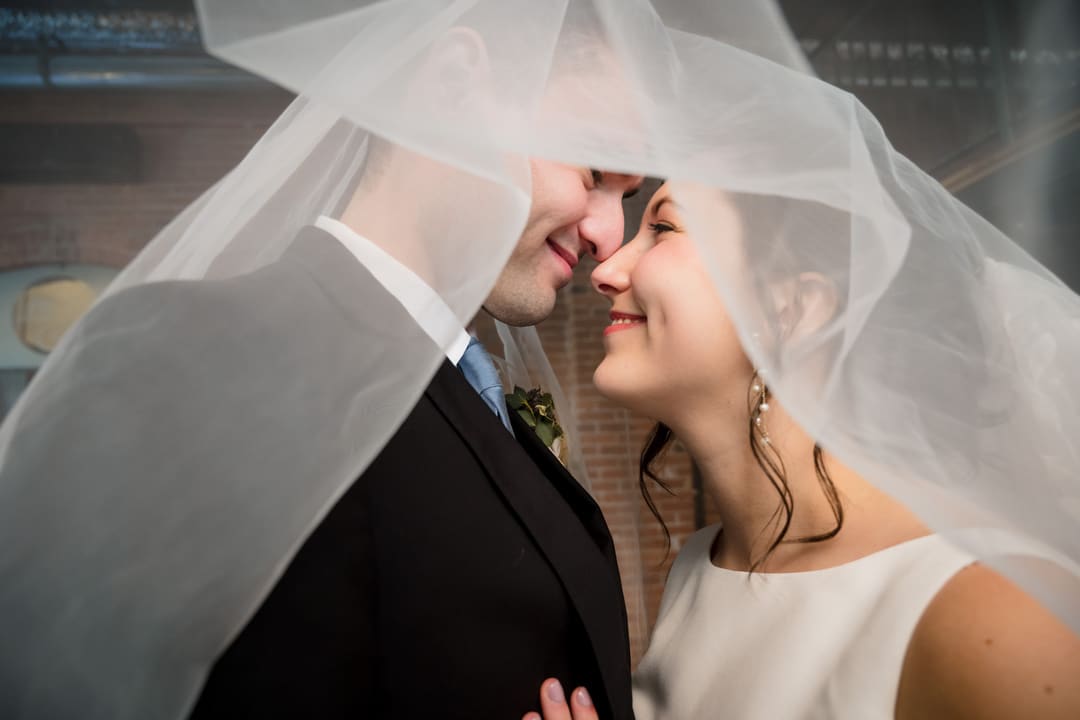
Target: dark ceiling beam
(67, 72)
(121, 45)
(128, 30)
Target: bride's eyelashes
(662, 227)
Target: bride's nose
(612, 276)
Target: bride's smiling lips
(623, 321)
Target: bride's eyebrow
(656, 208)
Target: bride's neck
(749, 505)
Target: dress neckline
(832, 569)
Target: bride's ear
(806, 304)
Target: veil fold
(178, 446)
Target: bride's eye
(661, 227)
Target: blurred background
(113, 119)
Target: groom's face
(575, 211)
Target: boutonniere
(537, 409)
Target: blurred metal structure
(986, 44)
(107, 44)
(1013, 65)
(983, 94)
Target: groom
(465, 565)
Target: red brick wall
(611, 440)
(188, 140)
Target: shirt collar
(425, 305)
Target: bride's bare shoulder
(986, 649)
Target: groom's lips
(568, 257)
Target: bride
(817, 595)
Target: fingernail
(555, 693)
(583, 698)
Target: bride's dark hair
(779, 228)
(660, 438)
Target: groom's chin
(522, 310)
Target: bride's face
(671, 346)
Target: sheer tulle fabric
(179, 445)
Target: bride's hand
(553, 704)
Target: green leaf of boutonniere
(545, 433)
(527, 416)
(537, 409)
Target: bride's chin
(618, 387)
(605, 384)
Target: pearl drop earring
(759, 393)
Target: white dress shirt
(425, 305)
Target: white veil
(180, 444)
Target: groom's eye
(597, 177)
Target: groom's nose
(601, 230)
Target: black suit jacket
(462, 568)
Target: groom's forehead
(592, 106)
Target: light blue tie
(479, 370)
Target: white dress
(821, 644)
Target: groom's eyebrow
(598, 176)
(632, 191)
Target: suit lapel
(531, 480)
(587, 569)
(567, 485)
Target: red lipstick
(623, 321)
